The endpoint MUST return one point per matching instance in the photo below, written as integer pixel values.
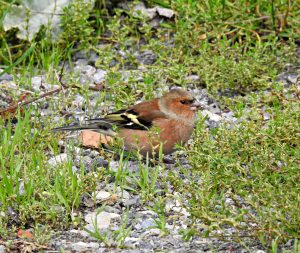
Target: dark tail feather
(105, 129)
(73, 128)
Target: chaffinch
(146, 126)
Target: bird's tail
(100, 126)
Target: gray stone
(100, 162)
(288, 66)
(101, 250)
(152, 12)
(21, 187)
(134, 201)
(192, 78)
(3, 104)
(5, 77)
(112, 63)
(229, 116)
(80, 63)
(147, 57)
(85, 80)
(87, 161)
(93, 57)
(12, 214)
(292, 78)
(133, 166)
(155, 22)
(266, 116)
(132, 241)
(78, 100)
(153, 231)
(90, 163)
(113, 209)
(94, 153)
(290, 243)
(113, 166)
(99, 76)
(86, 152)
(147, 223)
(80, 55)
(122, 194)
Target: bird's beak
(197, 106)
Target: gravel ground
(143, 237)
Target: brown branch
(245, 20)
(46, 94)
(64, 86)
(16, 106)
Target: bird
(149, 127)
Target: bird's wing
(138, 117)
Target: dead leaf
(23, 246)
(97, 87)
(25, 234)
(202, 36)
(93, 139)
(11, 111)
(111, 200)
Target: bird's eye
(183, 102)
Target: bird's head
(180, 102)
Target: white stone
(164, 12)
(132, 239)
(2, 249)
(211, 116)
(99, 221)
(99, 76)
(192, 78)
(154, 231)
(147, 212)
(102, 195)
(122, 194)
(88, 70)
(80, 232)
(36, 82)
(152, 12)
(78, 100)
(140, 7)
(293, 78)
(114, 166)
(57, 160)
(85, 247)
